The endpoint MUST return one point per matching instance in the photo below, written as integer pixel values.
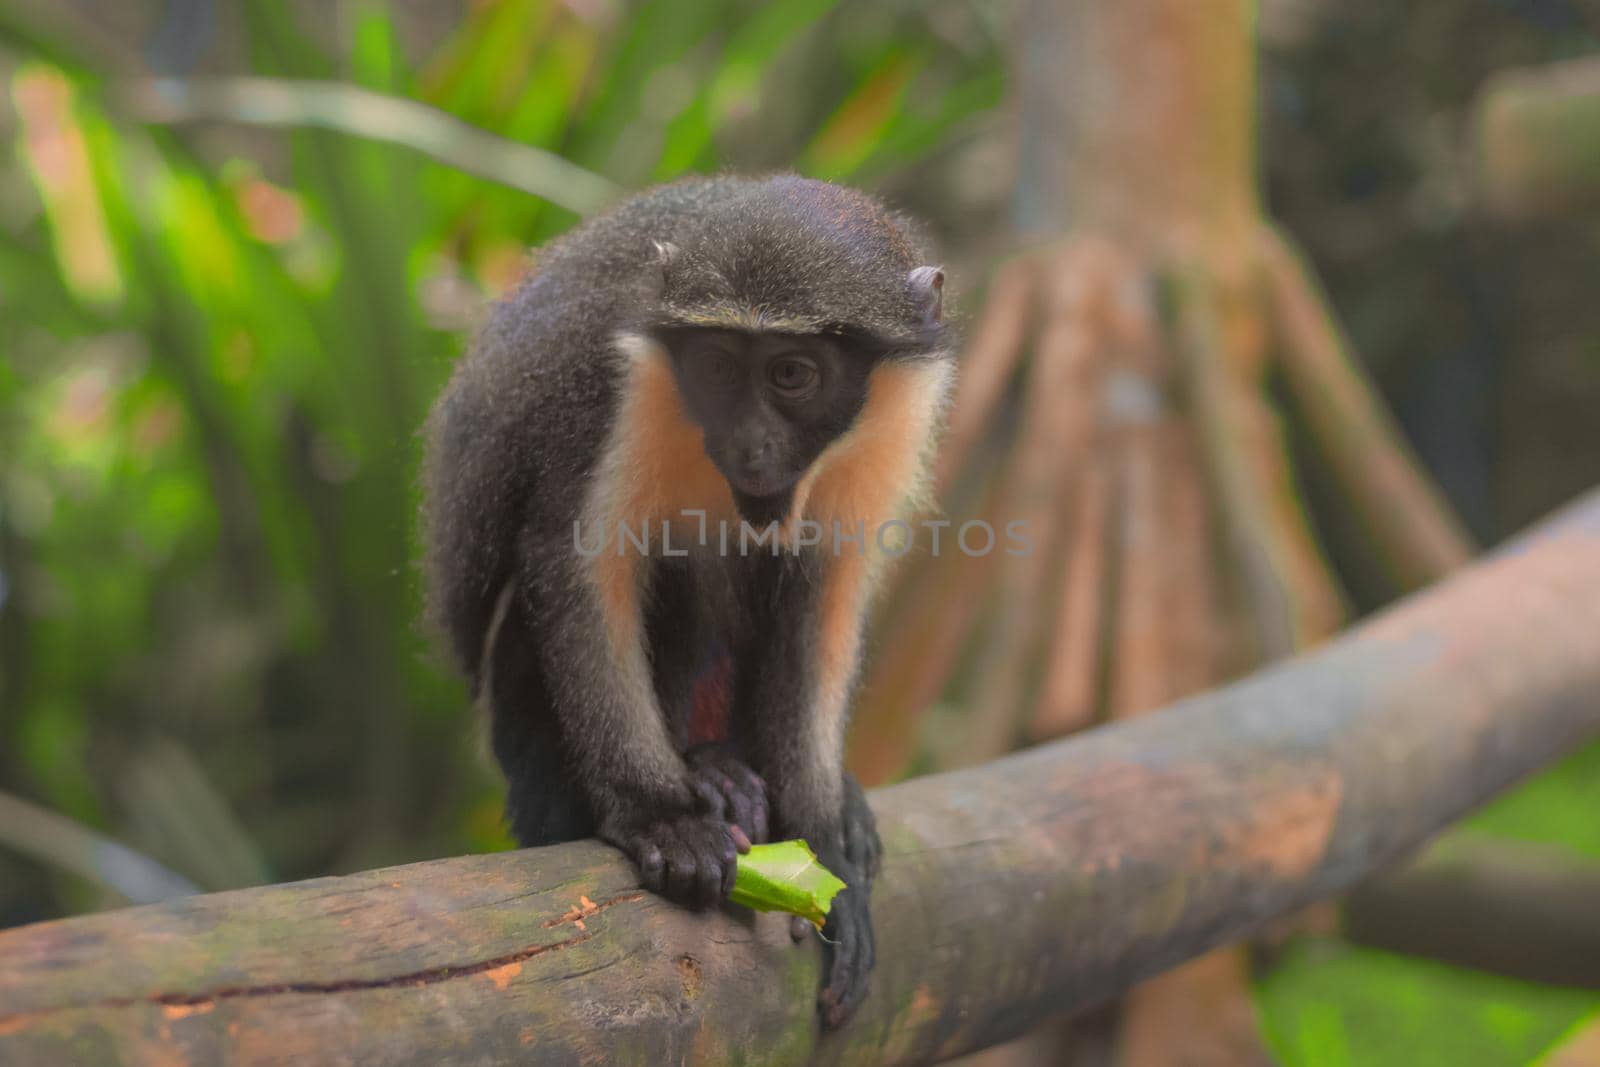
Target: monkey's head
(775, 305)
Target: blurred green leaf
(1329, 1005)
(733, 89)
(861, 122)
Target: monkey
(712, 364)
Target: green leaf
(785, 877)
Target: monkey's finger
(758, 818)
(755, 792)
(847, 998)
(730, 861)
(740, 840)
(799, 929)
(860, 849)
(841, 955)
(652, 865)
(711, 799)
(724, 874)
(866, 955)
(708, 882)
(683, 874)
(741, 813)
(847, 963)
(705, 844)
(839, 997)
(754, 782)
(677, 861)
(748, 779)
(732, 799)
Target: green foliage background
(216, 349)
(215, 370)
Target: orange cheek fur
(659, 469)
(875, 471)
(669, 469)
(871, 475)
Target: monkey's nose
(756, 454)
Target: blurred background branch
(360, 112)
(1536, 138)
(62, 843)
(1509, 907)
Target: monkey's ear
(927, 289)
(653, 281)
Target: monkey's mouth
(764, 508)
(761, 483)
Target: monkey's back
(513, 440)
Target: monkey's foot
(689, 859)
(862, 848)
(728, 787)
(848, 953)
(848, 948)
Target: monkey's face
(768, 404)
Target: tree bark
(1146, 116)
(1040, 883)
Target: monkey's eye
(793, 376)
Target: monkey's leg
(590, 639)
(793, 673)
(543, 806)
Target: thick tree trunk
(1038, 884)
(1141, 116)
(1148, 461)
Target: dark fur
(514, 445)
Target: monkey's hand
(732, 788)
(848, 950)
(689, 858)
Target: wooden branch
(1417, 537)
(1510, 907)
(1036, 884)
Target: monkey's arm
(618, 750)
(793, 674)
